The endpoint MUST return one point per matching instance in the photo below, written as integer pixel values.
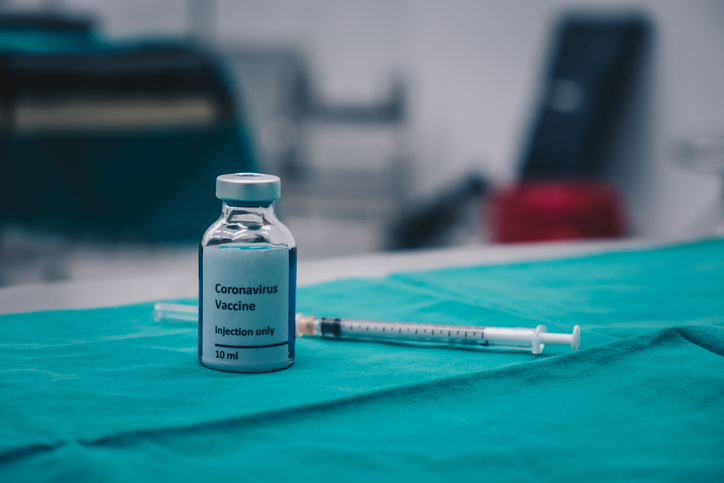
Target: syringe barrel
(431, 334)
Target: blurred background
(394, 125)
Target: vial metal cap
(253, 187)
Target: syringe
(462, 336)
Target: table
(109, 394)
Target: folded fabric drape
(109, 394)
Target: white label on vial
(245, 308)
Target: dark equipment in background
(592, 67)
(562, 192)
(104, 139)
(429, 223)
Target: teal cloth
(110, 395)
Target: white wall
(473, 68)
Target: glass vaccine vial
(247, 280)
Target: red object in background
(549, 210)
